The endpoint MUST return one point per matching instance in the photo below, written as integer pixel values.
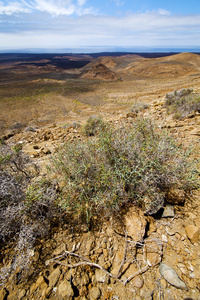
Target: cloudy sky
(64, 24)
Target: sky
(99, 25)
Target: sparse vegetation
(93, 125)
(182, 103)
(24, 215)
(103, 173)
(139, 106)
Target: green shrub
(92, 125)
(102, 174)
(182, 103)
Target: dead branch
(137, 273)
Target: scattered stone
(192, 233)
(138, 282)
(94, 293)
(153, 251)
(101, 276)
(54, 277)
(172, 277)
(168, 211)
(175, 196)
(135, 224)
(60, 249)
(65, 289)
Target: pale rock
(172, 277)
(164, 238)
(138, 282)
(130, 271)
(192, 233)
(59, 250)
(168, 211)
(135, 223)
(65, 289)
(153, 251)
(94, 293)
(54, 277)
(101, 276)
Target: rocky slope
(112, 261)
(134, 256)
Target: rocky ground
(145, 258)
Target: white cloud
(164, 12)
(81, 2)
(13, 7)
(77, 29)
(55, 8)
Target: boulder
(192, 233)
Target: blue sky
(64, 24)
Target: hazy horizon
(102, 49)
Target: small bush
(92, 125)
(182, 103)
(101, 174)
(26, 210)
(139, 106)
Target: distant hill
(99, 71)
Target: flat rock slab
(172, 277)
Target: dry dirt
(55, 108)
